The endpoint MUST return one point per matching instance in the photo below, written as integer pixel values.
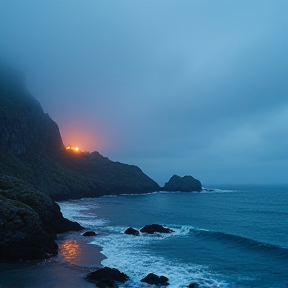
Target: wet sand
(75, 260)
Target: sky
(190, 87)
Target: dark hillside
(24, 126)
(31, 149)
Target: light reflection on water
(70, 250)
(67, 269)
(78, 252)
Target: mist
(189, 87)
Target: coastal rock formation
(48, 211)
(89, 233)
(23, 124)
(155, 228)
(23, 236)
(29, 221)
(154, 279)
(107, 273)
(132, 231)
(183, 184)
(106, 284)
(31, 149)
(193, 285)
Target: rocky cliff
(24, 126)
(29, 222)
(31, 149)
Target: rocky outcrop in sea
(107, 273)
(183, 184)
(132, 231)
(154, 279)
(155, 228)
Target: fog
(175, 87)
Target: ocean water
(236, 236)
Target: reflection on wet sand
(80, 253)
(71, 251)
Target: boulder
(193, 285)
(23, 236)
(183, 184)
(154, 228)
(154, 279)
(29, 221)
(107, 273)
(48, 210)
(106, 284)
(131, 231)
(89, 233)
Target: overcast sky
(192, 87)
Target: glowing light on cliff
(71, 148)
(84, 135)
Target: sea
(234, 236)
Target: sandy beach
(76, 258)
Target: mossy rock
(22, 233)
(29, 221)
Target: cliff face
(23, 124)
(31, 149)
(29, 221)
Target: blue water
(236, 236)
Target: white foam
(74, 212)
(137, 194)
(110, 196)
(128, 254)
(184, 229)
(215, 190)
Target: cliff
(31, 149)
(24, 126)
(29, 222)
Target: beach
(76, 258)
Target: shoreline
(76, 249)
(75, 259)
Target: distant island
(183, 184)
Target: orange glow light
(70, 250)
(75, 149)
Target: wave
(204, 191)
(73, 211)
(234, 241)
(217, 190)
(90, 220)
(123, 252)
(241, 242)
